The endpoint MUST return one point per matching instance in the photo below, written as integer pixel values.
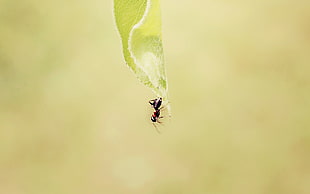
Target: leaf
(139, 25)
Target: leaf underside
(139, 25)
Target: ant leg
(162, 108)
(152, 102)
(156, 128)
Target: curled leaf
(139, 25)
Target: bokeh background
(74, 119)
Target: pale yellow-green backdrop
(75, 120)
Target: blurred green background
(74, 119)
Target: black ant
(156, 103)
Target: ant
(156, 103)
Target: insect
(156, 104)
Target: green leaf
(139, 25)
